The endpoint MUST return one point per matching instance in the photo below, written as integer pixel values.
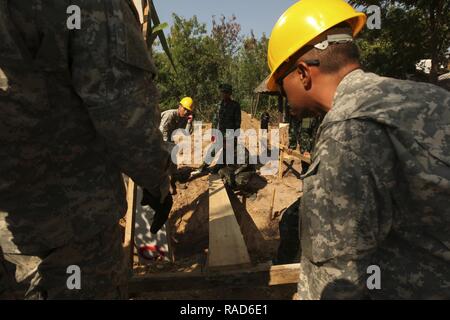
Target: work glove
(162, 209)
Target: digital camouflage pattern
(227, 116)
(80, 108)
(43, 275)
(171, 121)
(378, 193)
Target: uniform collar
(339, 110)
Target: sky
(257, 15)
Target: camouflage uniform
(308, 132)
(171, 121)
(238, 175)
(294, 128)
(80, 107)
(228, 116)
(303, 132)
(378, 193)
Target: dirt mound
(247, 122)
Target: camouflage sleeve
(215, 120)
(113, 75)
(294, 126)
(165, 126)
(346, 210)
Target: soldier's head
(226, 90)
(185, 107)
(311, 50)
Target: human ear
(304, 73)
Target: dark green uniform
(227, 116)
(303, 132)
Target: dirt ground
(259, 222)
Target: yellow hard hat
(303, 22)
(187, 103)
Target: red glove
(190, 118)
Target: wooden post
(259, 276)
(128, 243)
(280, 164)
(272, 203)
(284, 138)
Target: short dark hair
(335, 56)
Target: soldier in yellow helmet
(180, 118)
(375, 211)
(171, 120)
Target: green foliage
(251, 68)
(205, 60)
(196, 59)
(410, 31)
(155, 31)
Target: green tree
(411, 30)
(251, 68)
(226, 35)
(196, 58)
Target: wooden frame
(259, 276)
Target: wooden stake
(128, 242)
(272, 203)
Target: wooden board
(294, 153)
(259, 276)
(226, 243)
(139, 5)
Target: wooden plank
(284, 133)
(294, 153)
(280, 164)
(128, 242)
(139, 6)
(259, 276)
(226, 243)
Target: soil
(259, 222)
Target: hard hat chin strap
(334, 38)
